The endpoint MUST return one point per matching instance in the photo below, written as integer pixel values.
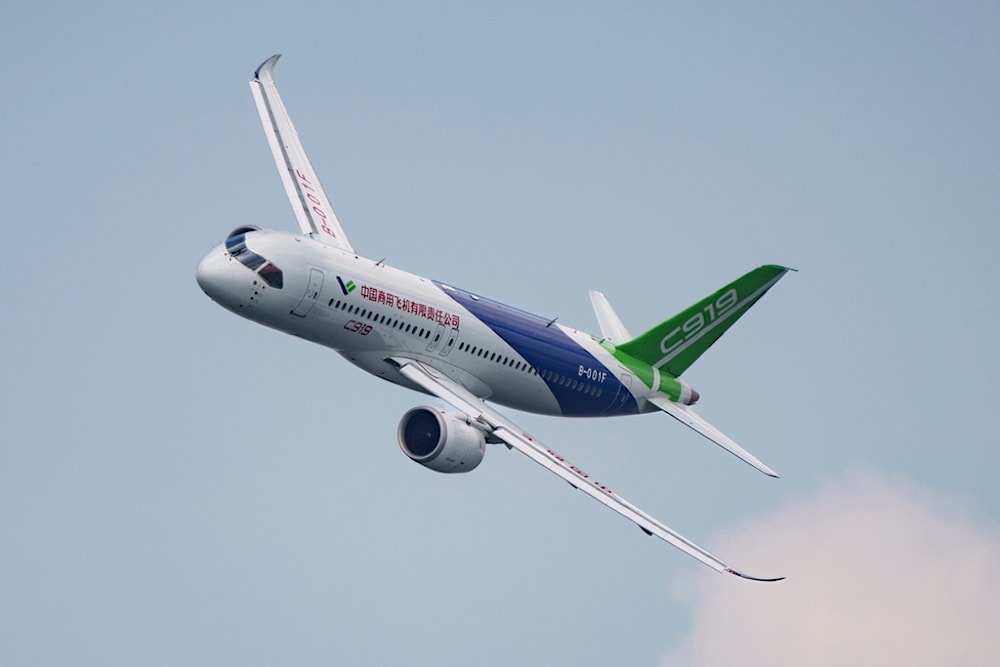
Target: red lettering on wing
(302, 177)
(317, 203)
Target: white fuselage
(368, 312)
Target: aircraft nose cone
(215, 276)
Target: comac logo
(347, 287)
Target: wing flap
(504, 430)
(309, 201)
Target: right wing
(503, 430)
(311, 205)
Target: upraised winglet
(267, 67)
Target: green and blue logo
(347, 287)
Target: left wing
(503, 430)
(311, 205)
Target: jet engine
(440, 440)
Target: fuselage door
(308, 299)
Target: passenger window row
(547, 375)
(372, 316)
(498, 358)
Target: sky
(180, 486)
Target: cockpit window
(272, 275)
(251, 260)
(237, 247)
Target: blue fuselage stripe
(558, 358)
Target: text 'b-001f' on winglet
(309, 201)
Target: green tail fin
(677, 343)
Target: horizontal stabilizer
(611, 326)
(694, 421)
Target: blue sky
(178, 485)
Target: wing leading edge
(309, 201)
(503, 430)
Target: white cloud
(879, 572)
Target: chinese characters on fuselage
(417, 308)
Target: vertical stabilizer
(674, 345)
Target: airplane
(461, 347)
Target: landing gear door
(308, 299)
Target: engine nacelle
(440, 440)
